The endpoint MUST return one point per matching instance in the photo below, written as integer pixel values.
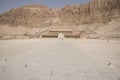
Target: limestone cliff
(31, 15)
(95, 11)
(98, 18)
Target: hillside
(92, 17)
(31, 15)
(96, 11)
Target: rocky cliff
(31, 15)
(98, 18)
(95, 11)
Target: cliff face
(96, 11)
(31, 15)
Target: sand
(54, 59)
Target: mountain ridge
(95, 11)
(97, 18)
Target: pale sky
(6, 5)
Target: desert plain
(55, 59)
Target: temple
(68, 33)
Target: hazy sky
(6, 5)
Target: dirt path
(54, 59)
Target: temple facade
(68, 33)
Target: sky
(6, 5)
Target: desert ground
(54, 59)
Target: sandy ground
(53, 59)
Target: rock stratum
(96, 16)
(96, 11)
